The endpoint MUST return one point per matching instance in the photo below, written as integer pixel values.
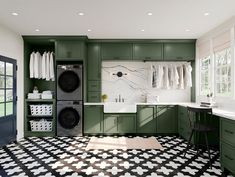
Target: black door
(7, 100)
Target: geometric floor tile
(67, 157)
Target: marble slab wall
(135, 85)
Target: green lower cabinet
(146, 121)
(167, 119)
(184, 129)
(94, 97)
(227, 157)
(119, 123)
(93, 119)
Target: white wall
(11, 45)
(136, 85)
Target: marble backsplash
(134, 85)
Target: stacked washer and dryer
(69, 100)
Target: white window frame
(200, 74)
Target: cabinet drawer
(228, 131)
(94, 97)
(93, 86)
(228, 157)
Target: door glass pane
(2, 81)
(9, 69)
(2, 94)
(2, 109)
(9, 95)
(2, 69)
(9, 108)
(9, 82)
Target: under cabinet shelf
(40, 100)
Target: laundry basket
(41, 110)
(41, 125)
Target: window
(204, 75)
(223, 76)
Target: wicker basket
(41, 110)
(41, 125)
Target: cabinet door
(183, 123)
(126, 123)
(94, 97)
(148, 51)
(116, 51)
(228, 157)
(70, 50)
(94, 62)
(110, 123)
(94, 86)
(179, 51)
(146, 122)
(166, 119)
(93, 119)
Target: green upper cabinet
(146, 122)
(93, 62)
(148, 51)
(70, 50)
(116, 51)
(93, 119)
(179, 51)
(167, 119)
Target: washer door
(68, 118)
(68, 81)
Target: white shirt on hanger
(44, 65)
(51, 67)
(31, 65)
(36, 65)
(47, 66)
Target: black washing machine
(69, 118)
(69, 82)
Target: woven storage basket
(41, 110)
(41, 125)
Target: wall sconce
(120, 74)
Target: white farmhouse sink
(111, 107)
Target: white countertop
(216, 111)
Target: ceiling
(116, 18)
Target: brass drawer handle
(228, 131)
(228, 157)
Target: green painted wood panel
(166, 119)
(93, 119)
(148, 51)
(111, 123)
(94, 86)
(116, 51)
(127, 123)
(179, 51)
(94, 97)
(146, 121)
(70, 50)
(227, 131)
(228, 157)
(93, 62)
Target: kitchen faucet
(119, 99)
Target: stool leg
(208, 149)
(189, 142)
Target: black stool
(199, 119)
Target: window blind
(221, 41)
(204, 49)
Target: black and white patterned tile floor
(66, 157)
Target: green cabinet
(119, 123)
(227, 157)
(179, 51)
(93, 119)
(148, 51)
(146, 121)
(70, 50)
(93, 73)
(167, 119)
(184, 129)
(116, 51)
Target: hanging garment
(171, 76)
(181, 77)
(154, 77)
(36, 65)
(44, 65)
(31, 65)
(51, 67)
(47, 66)
(176, 77)
(159, 76)
(188, 75)
(166, 78)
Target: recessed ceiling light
(142, 30)
(150, 13)
(81, 13)
(14, 13)
(37, 30)
(187, 30)
(206, 13)
(89, 30)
